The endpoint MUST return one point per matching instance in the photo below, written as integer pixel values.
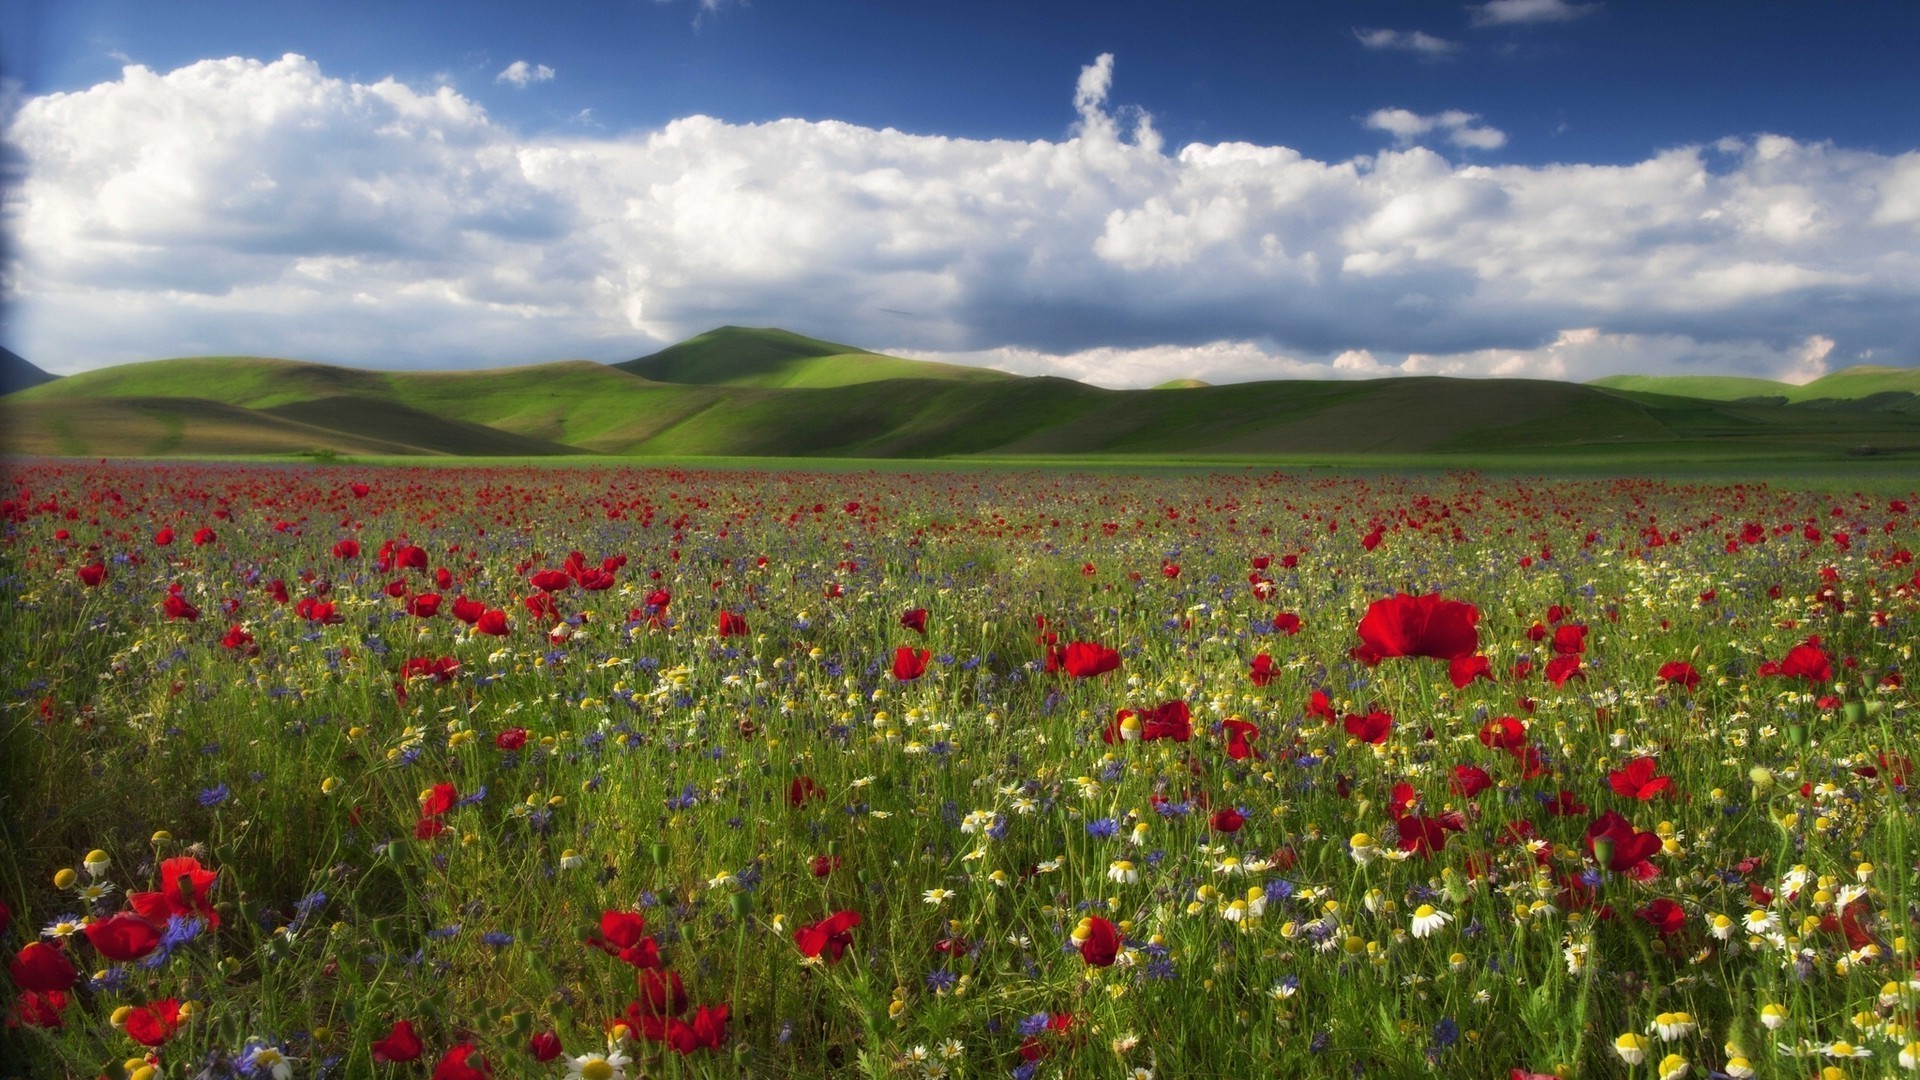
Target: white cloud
(522, 74)
(1462, 129)
(240, 206)
(1414, 41)
(1506, 12)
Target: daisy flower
(1631, 1047)
(609, 1066)
(936, 897)
(1671, 1026)
(1427, 919)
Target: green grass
(1847, 384)
(773, 358)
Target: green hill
(746, 356)
(255, 405)
(1848, 384)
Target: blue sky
(1119, 192)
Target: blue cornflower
(1035, 1024)
(1102, 828)
(180, 931)
(940, 979)
(499, 939)
(214, 796)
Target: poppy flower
(707, 1031)
(410, 557)
(1806, 660)
(439, 800)
(1426, 835)
(910, 663)
(915, 620)
(492, 622)
(1631, 848)
(511, 739)
(1464, 671)
(1261, 670)
(1168, 720)
(399, 1045)
(822, 865)
(92, 574)
(804, 788)
(1664, 915)
(661, 995)
(1287, 623)
(462, 1062)
(346, 549)
(731, 625)
(153, 1023)
(177, 606)
(1564, 667)
(831, 935)
(184, 885)
(1371, 728)
(123, 937)
(468, 611)
(424, 605)
(544, 1046)
(1638, 780)
(1422, 626)
(1570, 639)
(1565, 804)
(550, 581)
(163, 538)
(1240, 737)
(1084, 659)
(1469, 780)
(1227, 821)
(43, 968)
(1099, 941)
(1679, 673)
(1320, 705)
(623, 934)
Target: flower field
(369, 771)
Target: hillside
(772, 358)
(17, 374)
(256, 405)
(1853, 384)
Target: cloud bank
(244, 206)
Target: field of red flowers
(382, 771)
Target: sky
(1117, 192)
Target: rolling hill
(1853, 384)
(735, 392)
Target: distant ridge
(1183, 384)
(737, 392)
(1848, 384)
(17, 374)
(774, 358)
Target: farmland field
(369, 770)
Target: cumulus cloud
(245, 206)
(1507, 12)
(1462, 129)
(1414, 41)
(522, 74)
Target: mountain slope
(747, 356)
(17, 374)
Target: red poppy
(1371, 728)
(400, 1044)
(661, 995)
(707, 1031)
(915, 620)
(1287, 623)
(410, 557)
(1261, 671)
(1240, 737)
(1427, 835)
(1631, 847)
(492, 622)
(831, 935)
(1638, 780)
(511, 739)
(43, 968)
(441, 799)
(732, 625)
(346, 549)
(1679, 673)
(1806, 660)
(550, 581)
(38, 1009)
(910, 663)
(1168, 720)
(176, 606)
(541, 606)
(1320, 705)
(468, 611)
(92, 574)
(1430, 626)
(623, 934)
(163, 538)
(804, 788)
(184, 885)
(462, 1062)
(1564, 667)
(1565, 804)
(1503, 733)
(1084, 659)
(822, 865)
(1469, 780)
(1664, 915)
(1101, 946)
(424, 605)
(544, 1046)
(123, 937)
(1570, 640)
(1227, 821)
(153, 1023)
(1464, 671)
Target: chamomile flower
(1427, 919)
(936, 897)
(1673, 1067)
(1123, 872)
(1773, 1016)
(1672, 1026)
(1631, 1047)
(608, 1066)
(1362, 847)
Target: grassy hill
(746, 356)
(777, 398)
(1848, 384)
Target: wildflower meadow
(387, 771)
